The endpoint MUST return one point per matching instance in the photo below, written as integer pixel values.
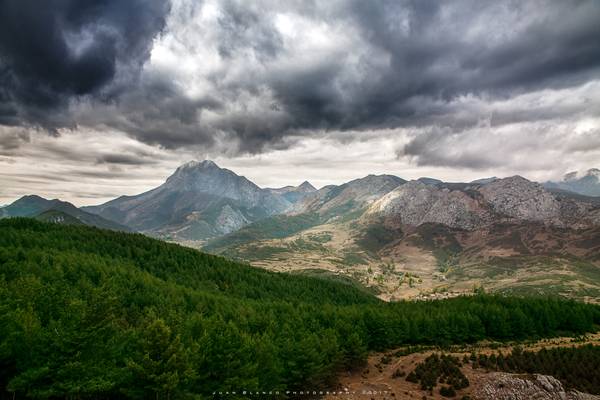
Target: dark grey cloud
(60, 50)
(432, 59)
(242, 25)
(258, 74)
(11, 140)
(125, 159)
(404, 66)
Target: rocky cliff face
(416, 203)
(521, 199)
(471, 206)
(503, 386)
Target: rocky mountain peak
(514, 180)
(195, 166)
(469, 207)
(294, 194)
(306, 187)
(199, 200)
(520, 198)
(353, 194)
(207, 177)
(417, 203)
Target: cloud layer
(59, 51)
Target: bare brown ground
(375, 380)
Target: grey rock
(199, 201)
(504, 386)
(417, 203)
(230, 220)
(483, 181)
(521, 199)
(472, 206)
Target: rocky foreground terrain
(384, 376)
(503, 386)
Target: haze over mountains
(402, 238)
(587, 184)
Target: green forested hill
(88, 313)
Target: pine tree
(161, 366)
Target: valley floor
(429, 261)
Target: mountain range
(199, 201)
(423, 238)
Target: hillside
(57, 211)
(89, 313)
(331, 204)
(436, 239)
(57, 217)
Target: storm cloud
(60, 50)
(253, 73)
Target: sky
(101, 98)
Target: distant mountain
(26, 206)
(56, 211)
(416, 203)
(293, 194)
(330, 204)
(587, 184)
(483, 181)
(429, 181)
(199, 201)
(476, 205)
(412, 239)
(336, 200)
